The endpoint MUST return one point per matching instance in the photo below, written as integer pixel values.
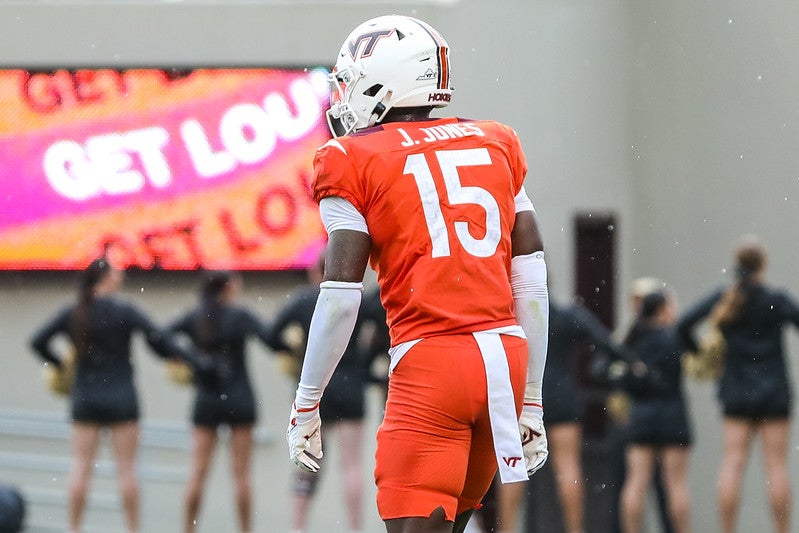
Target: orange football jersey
(438, 199)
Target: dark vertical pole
(595, 286)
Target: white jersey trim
(338, 213)
(523, 202)
(396, 353)
(501, 408)
(335, 143)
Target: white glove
(304, 437)
(534, 437)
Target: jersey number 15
(457, 193)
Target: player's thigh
(424, 442)
(482, 467)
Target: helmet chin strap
(380, 109)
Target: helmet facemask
(343, 118)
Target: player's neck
(407, 114)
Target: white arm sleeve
(523, 202)
(331, 327)
(528, 281)
(338, 213)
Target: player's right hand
(534, 437)
(304, 437)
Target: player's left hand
(304, 437)
(534, 437)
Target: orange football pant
(434, 447)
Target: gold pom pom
(289, 365)
(59, 380)
(179, 372)
(294, 337)
(618, 405)
(708, 362)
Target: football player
(438, 208)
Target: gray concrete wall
(715, 132)
(679, 117)
(715, 136)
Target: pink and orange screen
(160, 169)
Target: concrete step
(60, 465)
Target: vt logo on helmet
(370, 39)
(387, 62)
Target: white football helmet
(387, 62)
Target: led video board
(160, 168)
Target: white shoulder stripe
(335, 143)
